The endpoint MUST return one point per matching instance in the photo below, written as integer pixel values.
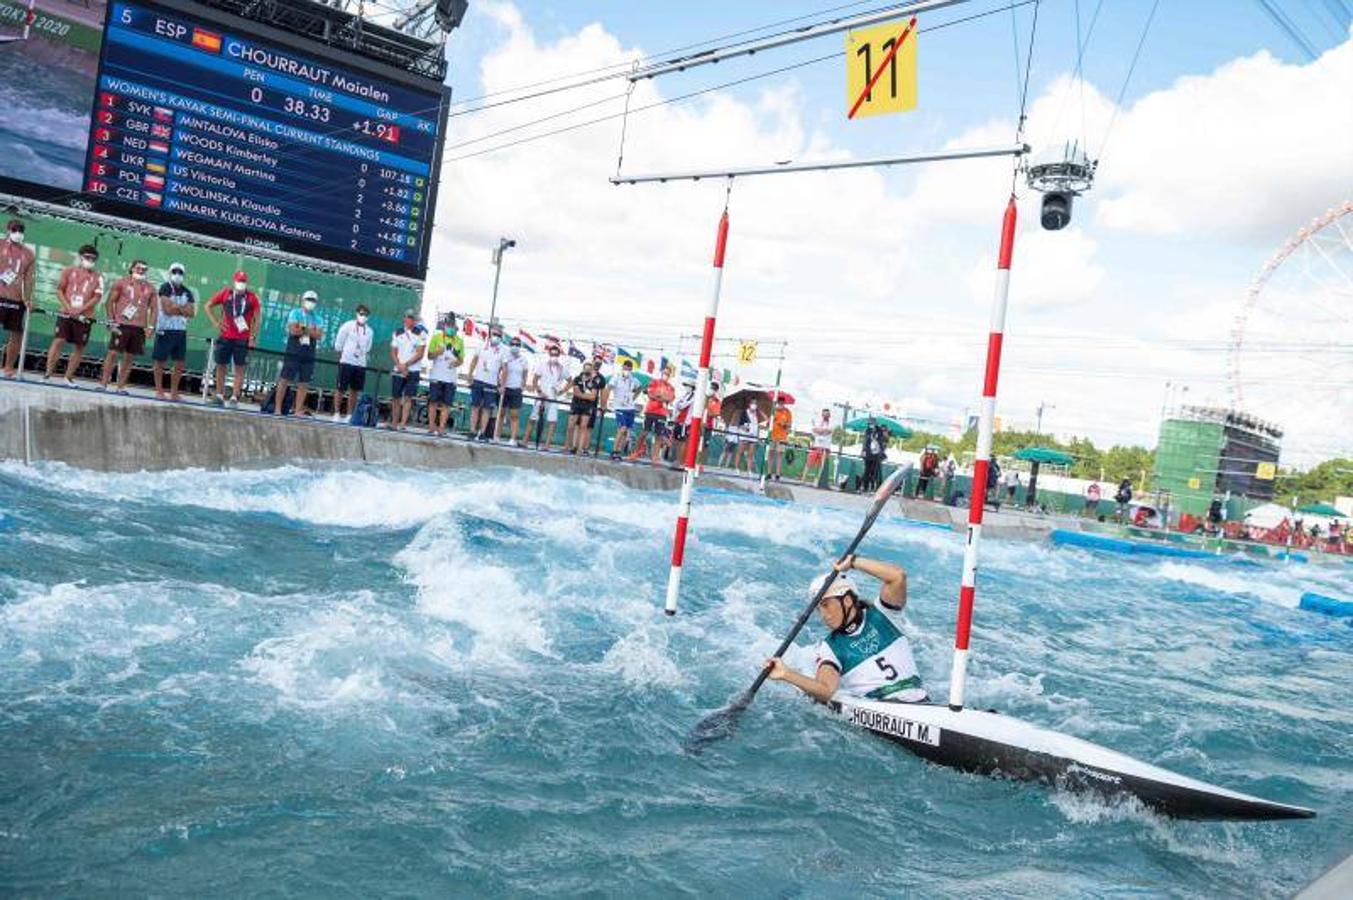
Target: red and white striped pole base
(696, 433)
(977, 494)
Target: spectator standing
(1011, 486)
(16, 293)
(781, 424)
(407, 347)
(298, 364)
(993, 486)
(353, 345)
(549, 383)
(514, 382)
(446, 351)
(624, 391)
(930, 467)
(713, 408)
(1092, 495)
(587, 388)
(681, 424)
(875, 451)
(660, 393)
(78, 292)
(486, 376)
(1123, 497)
(177, 305)
(749, 427)
(821, 449)
(950, 472)
(238, 332)
(130, 307)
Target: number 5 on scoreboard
(867, 56)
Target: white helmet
(840, 586)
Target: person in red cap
(237, 325)
(16, 291)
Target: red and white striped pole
(696, 432)
(978, 492)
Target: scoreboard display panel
(209, 123)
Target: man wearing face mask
(130, 307)
(177, 306)
(238, 329)
(514, 379)
(407, 347)
(446, 350)
(353, 344)
(16, 292)
(486, 375)
(549, 383)
(303, 336)
(587, 388)
(78, 291)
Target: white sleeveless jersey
(874, 659)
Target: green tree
(1332, 478)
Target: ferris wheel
(1291, 354)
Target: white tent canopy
(1270, 515)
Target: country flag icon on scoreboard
(206, 40)
(163, 114)
(156, 167)
(158, 147)
(161, 131)
(152, 198)
(153, 181)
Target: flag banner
(623, 356)
(577, 354)
(468, 327)
(688, 370)
(528, 340)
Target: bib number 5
(886, 668)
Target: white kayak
(993, 744)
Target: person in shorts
(131, 310)
(655, 434)
(781, 424)
(821, 449)
(486, 379)
(304, 333)
(514, 381)
(549, 383)
(353, 345)
(177, 306)
(78, 292)
(237, 328)
(446, 351)
(16, 292)
(587, 387)
(407, 347)
(624, 392)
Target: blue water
(356, 682)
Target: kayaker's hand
(845, 565)
(778, 670)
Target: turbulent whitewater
(361, 682)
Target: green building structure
(1207, 453)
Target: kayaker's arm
(894, 578)
(820, 688)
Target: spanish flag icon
(206, 40)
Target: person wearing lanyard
(177, 306)
(78, 291)
(486, 377)
(407, 347)
(514, 380)
(353, 344)
(549, 382)
(16, 292)
(624, 390)
(587, 388)
(130, 306)
(303, 336)
(238, 328)
(446, 351)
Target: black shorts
(679, 432)
(511, 398)
(12, 315)
(350, 377)
(73, 330)
(298, 367)
(404, 385)
(129, 339)
(580, 407)
(170, 345)
(441, 392)
(231, 350)
(655, 423)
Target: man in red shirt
(238, 325)
(130, 307)
(660, 393)
(16, 292)
(78, 292)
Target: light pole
(503, 244)
(1042, 405)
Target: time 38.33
(316, 112)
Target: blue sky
(1230, 138)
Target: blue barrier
(1120, 545)
(1326, 606)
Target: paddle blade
(718, 725)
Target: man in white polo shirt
(551, 385)
(353, 344)
(407, 347)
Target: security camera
(1057, 210)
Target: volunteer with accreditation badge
(303, 336)
(353, 345)
(865, 654)
(587, 387)
(171, 330)
(822, 446)
(660, 393)
(407, 347)
(514, 380)
(16, 292)
(624, 391)
(446, 351)
(550, 382)
(238, 328)
(78, 292)
(131, 310)
(486, 375)
(782, 421)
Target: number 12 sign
(881, 69)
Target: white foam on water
(1242, 581)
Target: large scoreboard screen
(211, 124)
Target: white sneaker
(337, 417)
(70, 382)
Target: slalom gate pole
(697, 422)
(978, 493)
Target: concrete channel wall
(111, 433)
